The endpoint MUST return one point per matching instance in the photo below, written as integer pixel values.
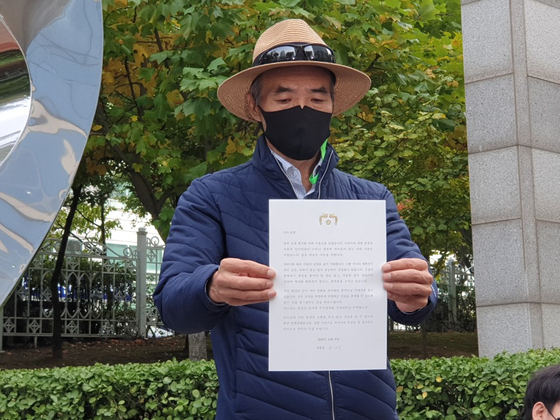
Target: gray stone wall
(512, 79)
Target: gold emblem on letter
(328, 219)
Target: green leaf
(218, 62)
(418, 230)
(160, 57)
(393, 3)
(289, 3)
(427, 10)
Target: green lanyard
(313, 178)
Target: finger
(227, 287)
(247, 267)
(248, 298)
(239, 281)
(408, 276)
(244, 284)
(408, 289)
(405, 264)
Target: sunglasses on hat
(296, 52)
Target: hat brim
(350, 87)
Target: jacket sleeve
(193, 251)
(400, 245)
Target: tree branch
(141, 185)
(166, 61)
(131, 84)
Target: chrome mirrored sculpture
(51, 53)
(15, 91)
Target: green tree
(409, 132)
(161, 125)
(159, 115)
(84, 212)
(90, 219)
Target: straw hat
(351, 85)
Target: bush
(162, 391)
(446, 388)
(461, 388)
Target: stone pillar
(512, 79)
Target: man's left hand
(408, 283)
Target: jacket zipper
(332, 395)
(318, 197)
(329, 372)
(319, 186)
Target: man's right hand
(241, 282)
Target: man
(215, 274)
(542, 398)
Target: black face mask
(297, 133)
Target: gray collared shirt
(294, 175)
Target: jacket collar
(264, 162)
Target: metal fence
(104, 291)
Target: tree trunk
(56, 277)
(197, 346)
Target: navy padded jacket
(225, 214)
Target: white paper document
(330, 311)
